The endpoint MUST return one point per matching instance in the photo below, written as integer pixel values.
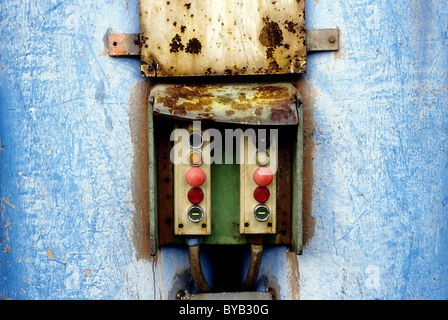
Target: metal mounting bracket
(128, 44)
(124, 44)
(322, 39)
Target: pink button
(263, 176)
(195, 177)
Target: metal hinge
(128, 44)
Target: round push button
(195, 140)
(195, 195)
(263, 176)
(195, 214)
(261, 194)
(195, 158)
(261, 213)
(195, 177)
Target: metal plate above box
(222, 37)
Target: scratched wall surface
(380, 189)
(376, 134)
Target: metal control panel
(192, 182)
(216, 37)
(258, 184)
(239, 173)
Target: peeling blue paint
(380, 167)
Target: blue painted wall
(378, 112)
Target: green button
(195, 214)
(261, 213)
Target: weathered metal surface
(322, 39)
(233, 37)
(254, 104)
(164, 217)
(284, 186)
(316, 40)
(124, 44)
(297, 189)
(152, 187)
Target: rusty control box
(243, 131)
(242, 182)
(225, 121)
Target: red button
(195, 177)
(261, 194)
(263, 176)
(195, 195)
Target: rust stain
(242, 103)
(224, 100)
(279, 113)
(123, 45)
(271, 35)
(210, 102)
(194, 46)
(117, 44)
(230, 113)
(308, 94)
(8, 202)
(138, 122)
(291, 26)
(293, 274)
(176, 44)
(180, 99)
(205, 115)
(271, 92)
(280, 100)
(50, 254)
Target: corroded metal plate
(251, 104)
(222, 37)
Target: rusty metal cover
(222, 37)
(253, 104)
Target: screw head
(332, 39)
